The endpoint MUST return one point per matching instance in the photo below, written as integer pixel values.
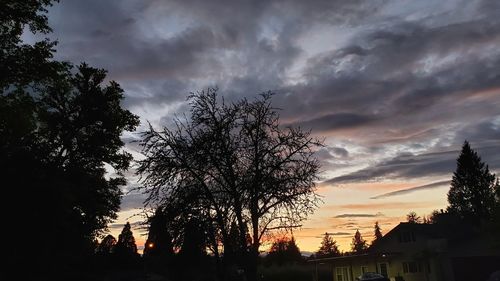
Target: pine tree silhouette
(328, 247)
(126, 247)
(358, 244)
(472, 191)
(378, 232)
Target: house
(420, 252)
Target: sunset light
(317, 140)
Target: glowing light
(150, 245)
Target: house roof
(347, 257)
(461, 238)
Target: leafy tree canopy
(60, 125)
(284, 251)
(107, 245)
(412, 217)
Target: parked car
(372, 276)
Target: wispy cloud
(413, 189)
(359, 215)
(339, 233)
(384, 205)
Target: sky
(393, 87)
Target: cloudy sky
(394, 87)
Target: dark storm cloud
(421, 79)
(412, 166)
(373, 78)
(405, 165)
(412, 189)
(339, 151)
(126, 37)
(336, 121)
(485, 133)
(119, 226)
(402, 75)
(132, 201)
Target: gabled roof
(354, 256)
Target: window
(383, 269)
(406, 237)
(412, 267)
(342, 274)
(364, 269)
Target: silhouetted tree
(58, 128)
(293, 251)
(234, 253)
(107, 245)
(433, 217)
(497, 190)
(284, 251)
(358, 244)
(125, 246)
(23, 65)
(159, 242)
(425, 220)
(328, 247)
(412, 217)
(377, 232)
(194, 242)
(236, 163)
(472, 191)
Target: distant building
(419, 252)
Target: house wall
(440, 259)
(394, 268)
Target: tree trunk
(253, 254)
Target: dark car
(372, 276)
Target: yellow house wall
(394, 268)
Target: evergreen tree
(358, 244)
(159, 242)
(412, 217)
(194, 242)
(328, 247)
(472, 191)
(378, 232)
(293, 252)
(126, 243)
(232, 248)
